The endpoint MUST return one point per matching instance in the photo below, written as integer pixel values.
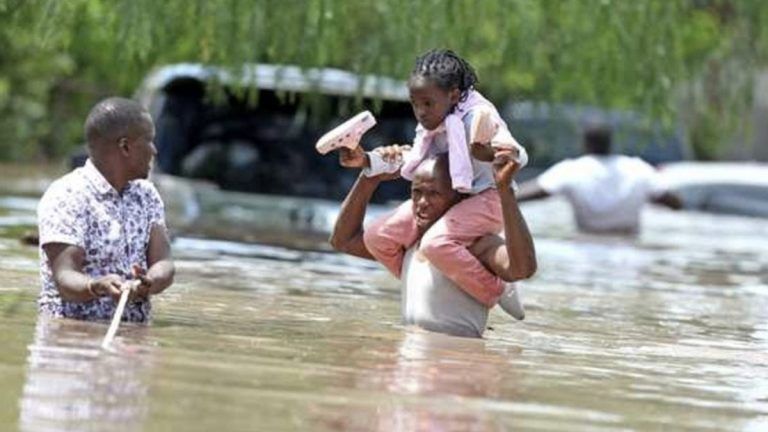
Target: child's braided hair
(446, 69)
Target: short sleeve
(556, 179)
(61, 216)
(155, 207)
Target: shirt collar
(94, 176)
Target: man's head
(432, 192)
(120, 135)
(597, 139)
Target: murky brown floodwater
(666, 332)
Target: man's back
(607, 192)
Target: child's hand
(355, 158)
(385, 162)
(394, 153)
(505, 167)
(482, 151)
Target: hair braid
(447, 70)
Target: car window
(268, 147)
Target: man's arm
(530, 190)
(660, 191)
(161, 269)
(513, 257)
(347, 235)
(67, 267)
(668, 199)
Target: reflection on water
(432, 383)
(71, 382)
(666, 331)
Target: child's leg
(389, 236)
(445, 245)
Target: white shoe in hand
(510, 301)
(347, 134)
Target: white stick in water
(118, 314)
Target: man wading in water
(429, 299)
(104, 224)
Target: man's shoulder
(591, 158)
(569, 163)
(74, 177)
(146, 188)
(144, 185)
(145, 194)
(561, 175)
(618, 161)
(62, 210)
(68, 186)
(635, 164)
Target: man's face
(430, 103)
(432, 196)
(142, 150)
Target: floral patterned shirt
(84, 210)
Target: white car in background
(738, 188)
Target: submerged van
(236, 148)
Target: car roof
(692, 173)
(279, 77)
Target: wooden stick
(116, 319)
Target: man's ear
(122, 144)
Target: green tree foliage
(60, 56)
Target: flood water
(668, 331)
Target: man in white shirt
(606, 191)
